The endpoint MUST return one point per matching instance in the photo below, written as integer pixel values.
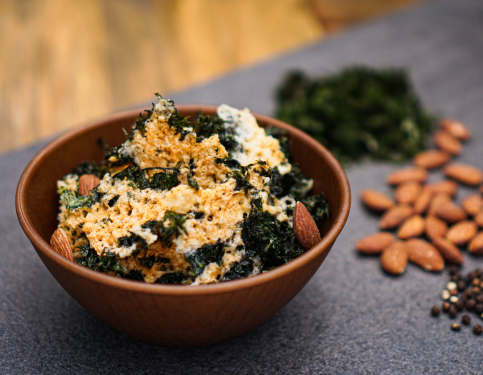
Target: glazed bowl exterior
(173, 315)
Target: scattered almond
(411, 227)
(472, 204)
(476, 245)
(438, 200)
(87, 182)
(395, 216)
(375, 243)
(394, 258)
(435, 227)
(422, 203)
(304, 227)
(407, 174)
(462, 232)
(376, 200)
(446, 142)
(61, 244)
(444, 186)
(408, 192)
(431, 159)
(464, 173)
(456, 129)
(425, 255)
(448, 250)
(479, 219)
(450, 212)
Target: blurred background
(65, 62)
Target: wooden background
(64, 62)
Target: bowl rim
(179, 290)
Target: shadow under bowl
(173, 315)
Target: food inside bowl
(187, 200)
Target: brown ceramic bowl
(173, 314)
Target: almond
(448, 250)
(464, 173)
(375, 243)
(444, 186)
(472, 204)
(456, 129)
(450, 212)
(395, 216)
(479, 219)
(394, 258)
(425, 255)
(446, 142)
(407, 174)
(87, 182)
(438, 200)
(61, 244)
(408, 192)
(461, 233)
(435, 227)
(431, 159)
(304, 227)
(376, 201)
(411, 227)
(476, 245)
(422, 203)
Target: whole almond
(411, 227)
(395, 216)
(472, 204)
(444, 186)
(450, 212)
(394, 258)
(304, 227)
(464, 173)
(375, 243)
(435, 227)
(479, 219)
(407, 174)
(376, 200)
(461, 233)
(437, 201)
(87, 182)
(448, 250)
(422, 203)
(61, 244)
(408, 192)
(446, 142)
(456, 129)
(476, 245)
(431, 159)
(425, 255)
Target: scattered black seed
(454, 270)
(470, 305)
(452, 312)
(436, 310)
(461, 285)
(446, 306)
(456, 327)
(479, 308)
(478, 329)
(479, 298)
(460, 305)
(466, 319)
(469, 293)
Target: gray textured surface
(350, 318)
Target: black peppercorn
(479, 298)
(479, 308)
(435, 310)
(478, 329)
(446, 306)
(453, 269)
(461, 285)
(456, 327)
(452, 312)
(460, 305)
(465, 319)
(470, 305)
(469, 293)
(455, 278)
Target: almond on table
(435, 227)
(375, 243)
(450, 212)
(376, 200)
(472, 204)
(448, 250)
(394, 258)
(431, 159)
(479, 219)
(425, 255)
(421, 204)
(437, 201)
(446, 142)
(462, 232)
(411, 227)
(445, 186)
(407, 174)
(464, 173)
(476, 245)
(395, 216)
(408, 192)
(455, 128)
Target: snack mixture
(187, 201)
